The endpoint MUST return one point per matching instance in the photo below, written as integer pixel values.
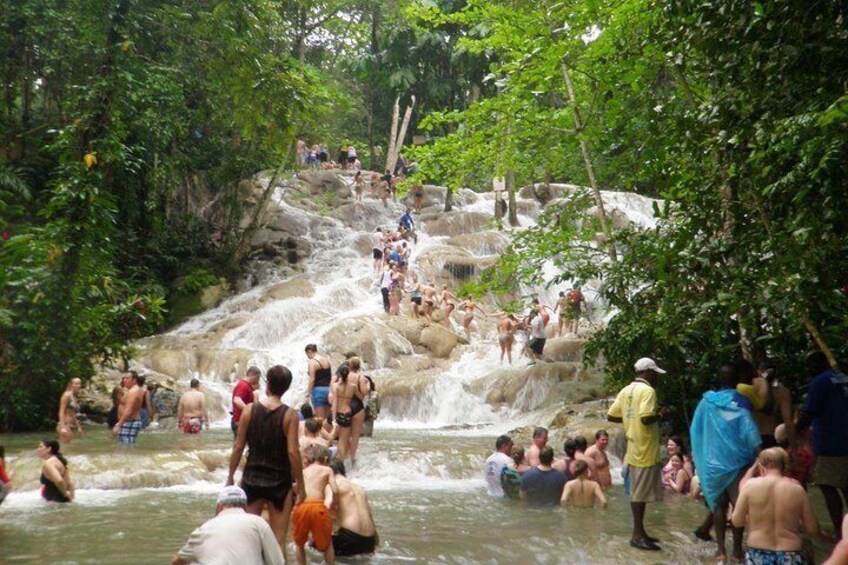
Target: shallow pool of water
(429, 502)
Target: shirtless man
(540, 440)
(775, 509)
(469, 306)
(598, 454)
(191, 411)
(506, 335)
(357, 533)
(313, 514)
(311, 436)
(129, 412)
(582, 491)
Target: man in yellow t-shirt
(636, 407)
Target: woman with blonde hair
(68, 408)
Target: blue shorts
(320, 397)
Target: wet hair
(581, 443)
(546, 455)
(580, 467)
(53, 446)
(279, 380)
(678, 441)
(350, 354)
(140, 379)
(562, 293)
(601, 433)
(254, 371)
(311, 347)
(774, 458)
(343, 371)
(570, 447)
(502, 442)
(816, 363)
(316, 453)
(378, 230)
(354, 364)
(306, 411)
(371, 384)
(338, 468)
(194, 383)
(518, 454)
(312, 425)
(133, 375)
(539, 431)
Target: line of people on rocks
(748, 470)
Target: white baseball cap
(647, 364)
(232, 496)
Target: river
(422, 469)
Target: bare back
(776, 511)
(354, 513)
(316, 479)
(346, 391)
(192, 404)
(582, 493)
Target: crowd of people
(748, 471)
(382, 187)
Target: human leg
(279, 520)
(720, 525)
(355, 434)
(833, 502)
(344, 443)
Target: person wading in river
(582, 491)
(318, 387)
(540, 440)
(348, 396)
(776, 510)
(243, 395)
(232, 536)
(270, 431)
(357, 534)
(191, 411)
(598, 453)
(68, 408)
(128, 426)
(636, 407)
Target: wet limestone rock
(567, 349)
(297, 287)
(457, 223)
(439, 340)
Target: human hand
(116, 429)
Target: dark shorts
(378, 254)
(344, 420)
(416, 300)
(537, 345)
(346, 542)
(275, 495)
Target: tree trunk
(375, 69)
(449, 200)
(398, 144)
(510, 190)
(587, 160)
(393, 133)
(819, 339)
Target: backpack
(510, 482)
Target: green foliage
(733, 112)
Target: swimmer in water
(598, 453)
(582, 491)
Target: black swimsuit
(323, 376)
(50, 491)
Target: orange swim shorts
(312, 516)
